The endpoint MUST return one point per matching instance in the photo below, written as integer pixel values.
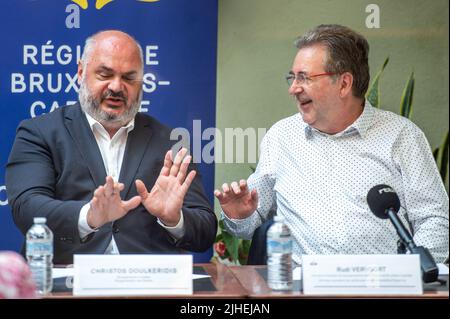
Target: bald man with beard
(103, 174)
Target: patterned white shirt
(319, 183)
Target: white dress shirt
(319, 183)
(112, 151)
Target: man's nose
(115, 84)
(295, 88)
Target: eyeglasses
(302, 78)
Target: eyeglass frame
(294, 78)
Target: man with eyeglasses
(316, 167)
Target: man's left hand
(166, 198)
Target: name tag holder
(121, 275)
(361, 275)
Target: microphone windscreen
(382, 197)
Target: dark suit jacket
(55, 165)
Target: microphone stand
(428, 266)
(401, 248)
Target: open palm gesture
(236, 200)
(107, 206)
(165, 199)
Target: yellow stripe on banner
(100, 3)
(82, 3)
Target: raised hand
(237, 201)
(166, 197)
(107, 206)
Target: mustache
(301, 99)
(117, 95)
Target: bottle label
(280, 245)
(39, 248)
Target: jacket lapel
(84, 139)
(137, 144)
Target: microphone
(384, 203)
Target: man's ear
(346, 84)
(80, 72)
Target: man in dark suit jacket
(88, 167)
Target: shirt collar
(360, 126)
(364, 121)
(93, 123)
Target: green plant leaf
(407, 97)
(219, 237)
(231, 244)
(435, 153)
(442, 158)
(373, 94)
(244, 248)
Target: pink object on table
(16, 281)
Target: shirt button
(115, 229)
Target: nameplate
(132, 275)
(361, 275)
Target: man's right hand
(107, 206)
(236, 200)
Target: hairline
(92, 40)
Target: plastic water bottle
(279, 255)
(39, 248)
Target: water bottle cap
(39, 220)
(278, 218)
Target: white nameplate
(119, 275)
(361, 275)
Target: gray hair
(348, 51)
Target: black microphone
(384, 203)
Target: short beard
(91, 105)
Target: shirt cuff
(240, 221)
(242, 228)
(83, 227)
(176, 231)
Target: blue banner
(42, 41)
